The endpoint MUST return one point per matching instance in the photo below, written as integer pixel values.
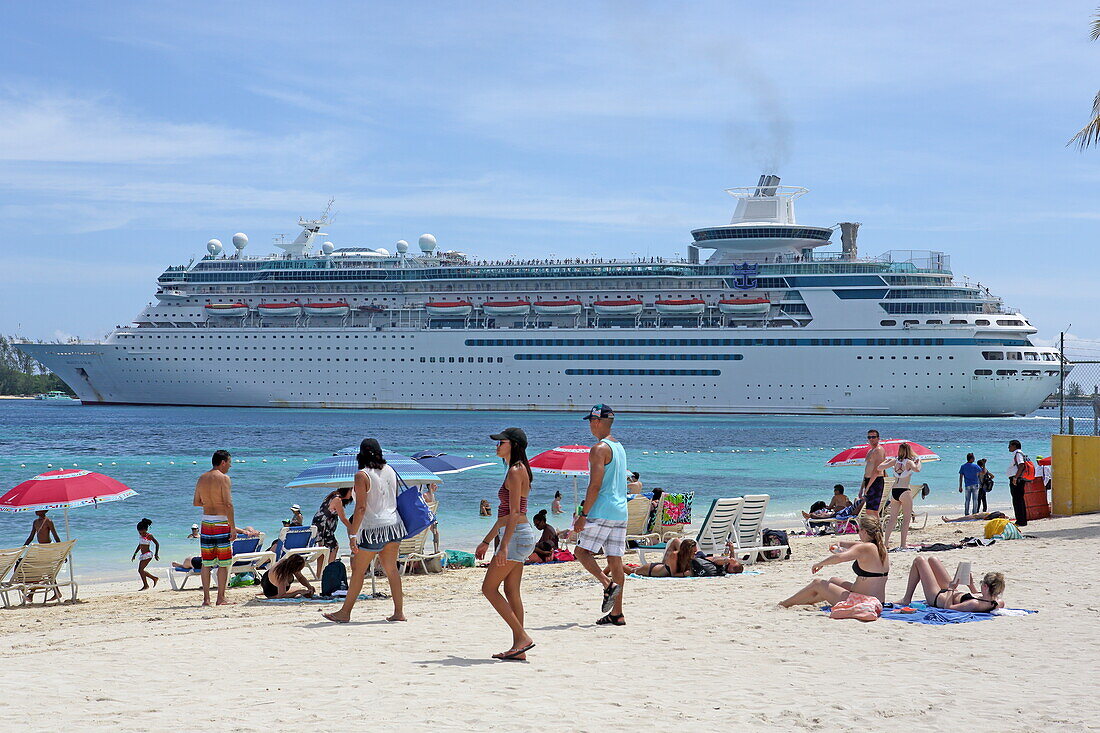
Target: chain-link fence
(1078, 395)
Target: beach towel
(924, 614)
(677, 509)
(317, 599)
(994, 527)
(1009, 532)
(857, 606)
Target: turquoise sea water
(160, 451)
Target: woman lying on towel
(276, 582)
(870, 563)
(979, 517)
(939, 588)
(677, 562)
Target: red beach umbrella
(70, 487)
(857, 454)
(567, 460)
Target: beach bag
(775, 537)
(333, 578)
(415, 513)
(703, 568)
(563, 556)
(460, 559)
(857, 606)
(994, 527)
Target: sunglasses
(502, 442)
(872, 437)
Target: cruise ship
(758, 316)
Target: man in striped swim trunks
(213, 493)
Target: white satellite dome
(240, 240)
(328, 247)
(427, 243)
(383, 251)
(214, 247)
(402, 246)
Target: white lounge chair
(247, 558)
(38, 569)
(412, 551)
(301, 541)
(8, 559)
(713, 533)
(748, 531)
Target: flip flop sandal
(611, 619)
(330, 617)
(610, 593)
(514, 654)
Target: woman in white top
(901, 496)
(376, 529)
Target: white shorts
(604, 534)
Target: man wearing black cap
(601, 523)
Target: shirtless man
(212, 493)
(874, 479)
(43, 528)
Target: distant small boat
(171, 295)
(628, 307)
(558, 307)
(744, 306)
(338, 308)
(682, 307)
(279, 310)
(57, 397)
(226, 310)
(449, 308)
(506, 307)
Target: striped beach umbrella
(338, 471)
(856, 455)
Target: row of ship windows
(747, 342)
(1014, 372)
(1019, 356)
(953, 321)
(627, 357)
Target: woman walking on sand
(376, 529)
(517, 541)
(901, 497)
(145, 540)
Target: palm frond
(1094, 34)
(1089, 135)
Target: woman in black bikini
(870, 563)
(276, 582)
(939, 588)
(901, 496)
(676, 562)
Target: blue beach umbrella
(338, 470)
(441, 463)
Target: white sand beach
(698, 653)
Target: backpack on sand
(333, 578)
(775, 537)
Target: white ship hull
(452, 369)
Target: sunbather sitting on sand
(870, 562)
(678, 556)
(939, 588)
(980, 516)
(276, 582)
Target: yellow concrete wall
(1075, 462)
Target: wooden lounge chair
(8, 560)
(638, 511)
(38, 569)
(411, 551)
(748, 531)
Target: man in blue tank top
(601, 523)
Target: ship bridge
(763, 227)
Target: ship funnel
(848, 232)
(767, 185)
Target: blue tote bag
(414, 511)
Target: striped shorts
(604, 534)
(217, 552)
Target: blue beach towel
(930, 616)
(302, 599)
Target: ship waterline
(769, 323)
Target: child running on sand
(145, 539)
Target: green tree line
(22, 375)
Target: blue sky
(130, 134)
